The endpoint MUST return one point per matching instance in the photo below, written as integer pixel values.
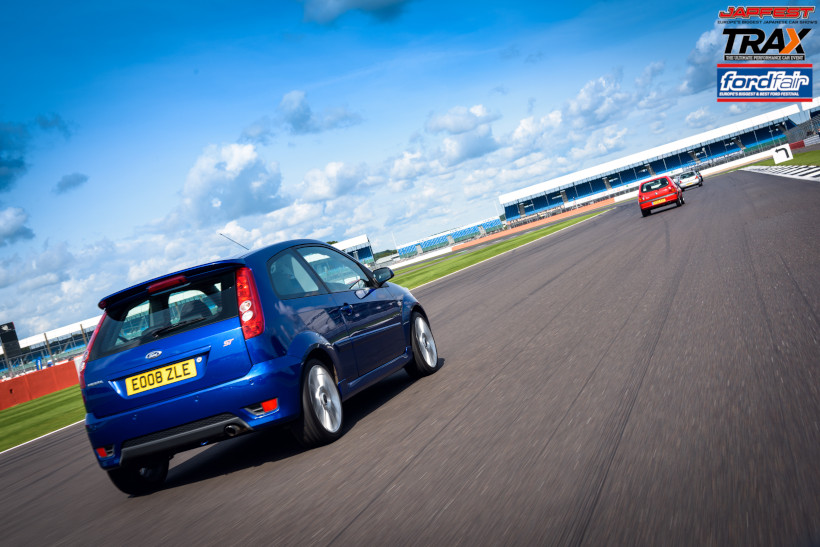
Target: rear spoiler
(169, 280)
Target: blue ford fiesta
(280, 335)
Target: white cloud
(655, 100)
(480, 182)
(598, 102)
(37, 283)
(298, 117)
(700, 118)
(649, 93)
(465, 146)
(29, 283)
(532, 129)
(54, 258)
(147, 269)
(649, 74)
(409, 166)
(13, 226)
(334, 180)
(228, 182)
(259, 132)
(7, 276)
(460, 120)
(600, 143)
(175, 249)
(296, 214)
(702, 60)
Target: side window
(290, 279)
(338, 272)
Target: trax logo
(754, 40)
(762, 12)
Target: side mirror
(382, 274)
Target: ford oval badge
(153, 355)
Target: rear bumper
(693, 182)
(200, 417)
(182, 437)
(653, 203)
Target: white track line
(513, 249)
(40, 437)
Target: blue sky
(132, 133)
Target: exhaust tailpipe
(232, 430)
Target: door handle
(347, 309)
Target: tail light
(250, 307)
(88, 351)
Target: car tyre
(425, 354)
(138, 480)
(645, 212)
(322, 415)
(679, 201)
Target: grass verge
(800, 158)
(33, 419)
(440, 268)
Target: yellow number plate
(160, 377)
(659, 201)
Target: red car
(659, 192)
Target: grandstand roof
(58, 332)
(646, 155)
(447, 232)
(352, 242)
(814, 104)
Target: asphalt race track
(626, 381)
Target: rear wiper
(163, 330)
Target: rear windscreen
(653, 185)
(166, 313)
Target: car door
(302, 295)
(372, 315)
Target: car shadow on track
(253, 450)
(661, 210)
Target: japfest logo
(749, 14)
(761, 82)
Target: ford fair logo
(153, 355)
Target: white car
(690, 178)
